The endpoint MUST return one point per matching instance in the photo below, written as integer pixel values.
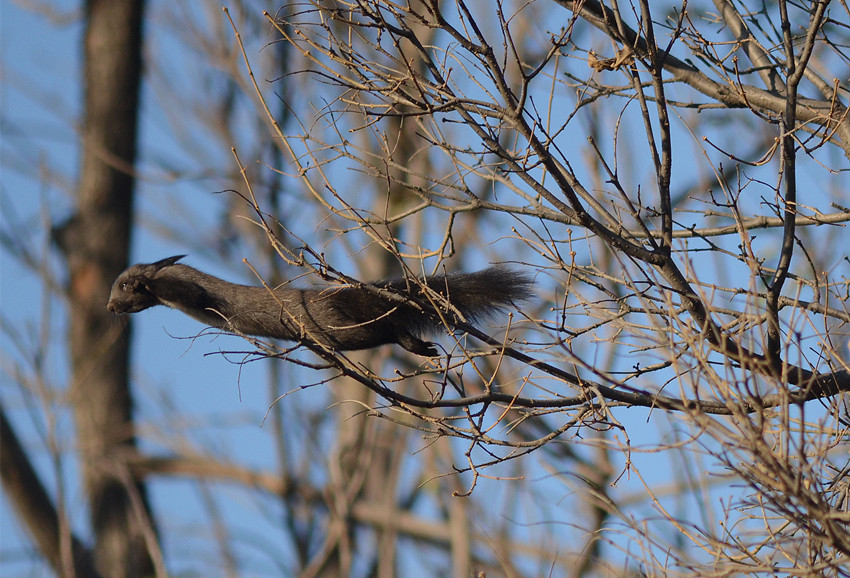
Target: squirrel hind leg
(416, 345)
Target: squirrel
(339, 318)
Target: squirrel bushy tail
(337, 317)
(474, 295)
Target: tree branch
(35, 508)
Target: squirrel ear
(167, 262)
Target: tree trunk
(96, 243)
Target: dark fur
(340, 318)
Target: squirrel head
(132, 290)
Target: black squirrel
(340, 318)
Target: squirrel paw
(417, 346)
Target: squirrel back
(337, 317)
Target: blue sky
(39, 103)
(179, 386)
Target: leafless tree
(672, 397)
(95, 241)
